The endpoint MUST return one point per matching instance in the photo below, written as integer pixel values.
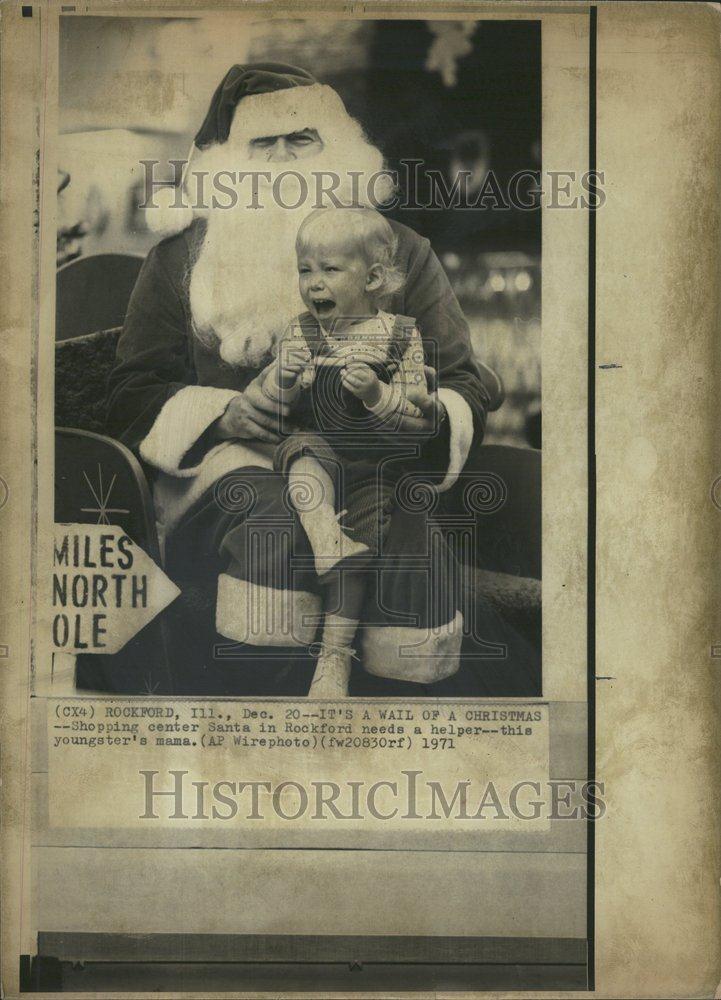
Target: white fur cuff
(180, 423)
(422, 655)
(263, 616)
(460, 418)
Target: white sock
(338, 631)
(307, 474)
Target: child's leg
(312, 494)
(344, 593)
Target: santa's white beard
(244, 283)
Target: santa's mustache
(219, 181)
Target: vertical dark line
(591, 594)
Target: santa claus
(207, 310)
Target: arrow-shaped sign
(105, 588)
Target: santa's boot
(328, 540)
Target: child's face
(336, 281)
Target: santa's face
(300, 145)
(244, 282)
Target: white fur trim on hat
(169, 212)
(284, 111)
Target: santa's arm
(155, 406)
(429, 297)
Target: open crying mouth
(323, 306)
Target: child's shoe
(332, 674)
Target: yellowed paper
(454, 832)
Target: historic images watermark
(409, 796)
(290, 189)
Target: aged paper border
(565, 682)
(649, 967)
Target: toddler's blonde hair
(367, 229)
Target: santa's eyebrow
(301, 133)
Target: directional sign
(105, 588)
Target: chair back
(82, 367)
(92, 293)
(100, 481)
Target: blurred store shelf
(500, 294)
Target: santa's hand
(432, 415)
(419, 396)
(363, 382)
(252, 415)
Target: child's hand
(290, 364)
(363, 382)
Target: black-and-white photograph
(360, 497)
(298, 353)
(293, 643)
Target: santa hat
(277, 99)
